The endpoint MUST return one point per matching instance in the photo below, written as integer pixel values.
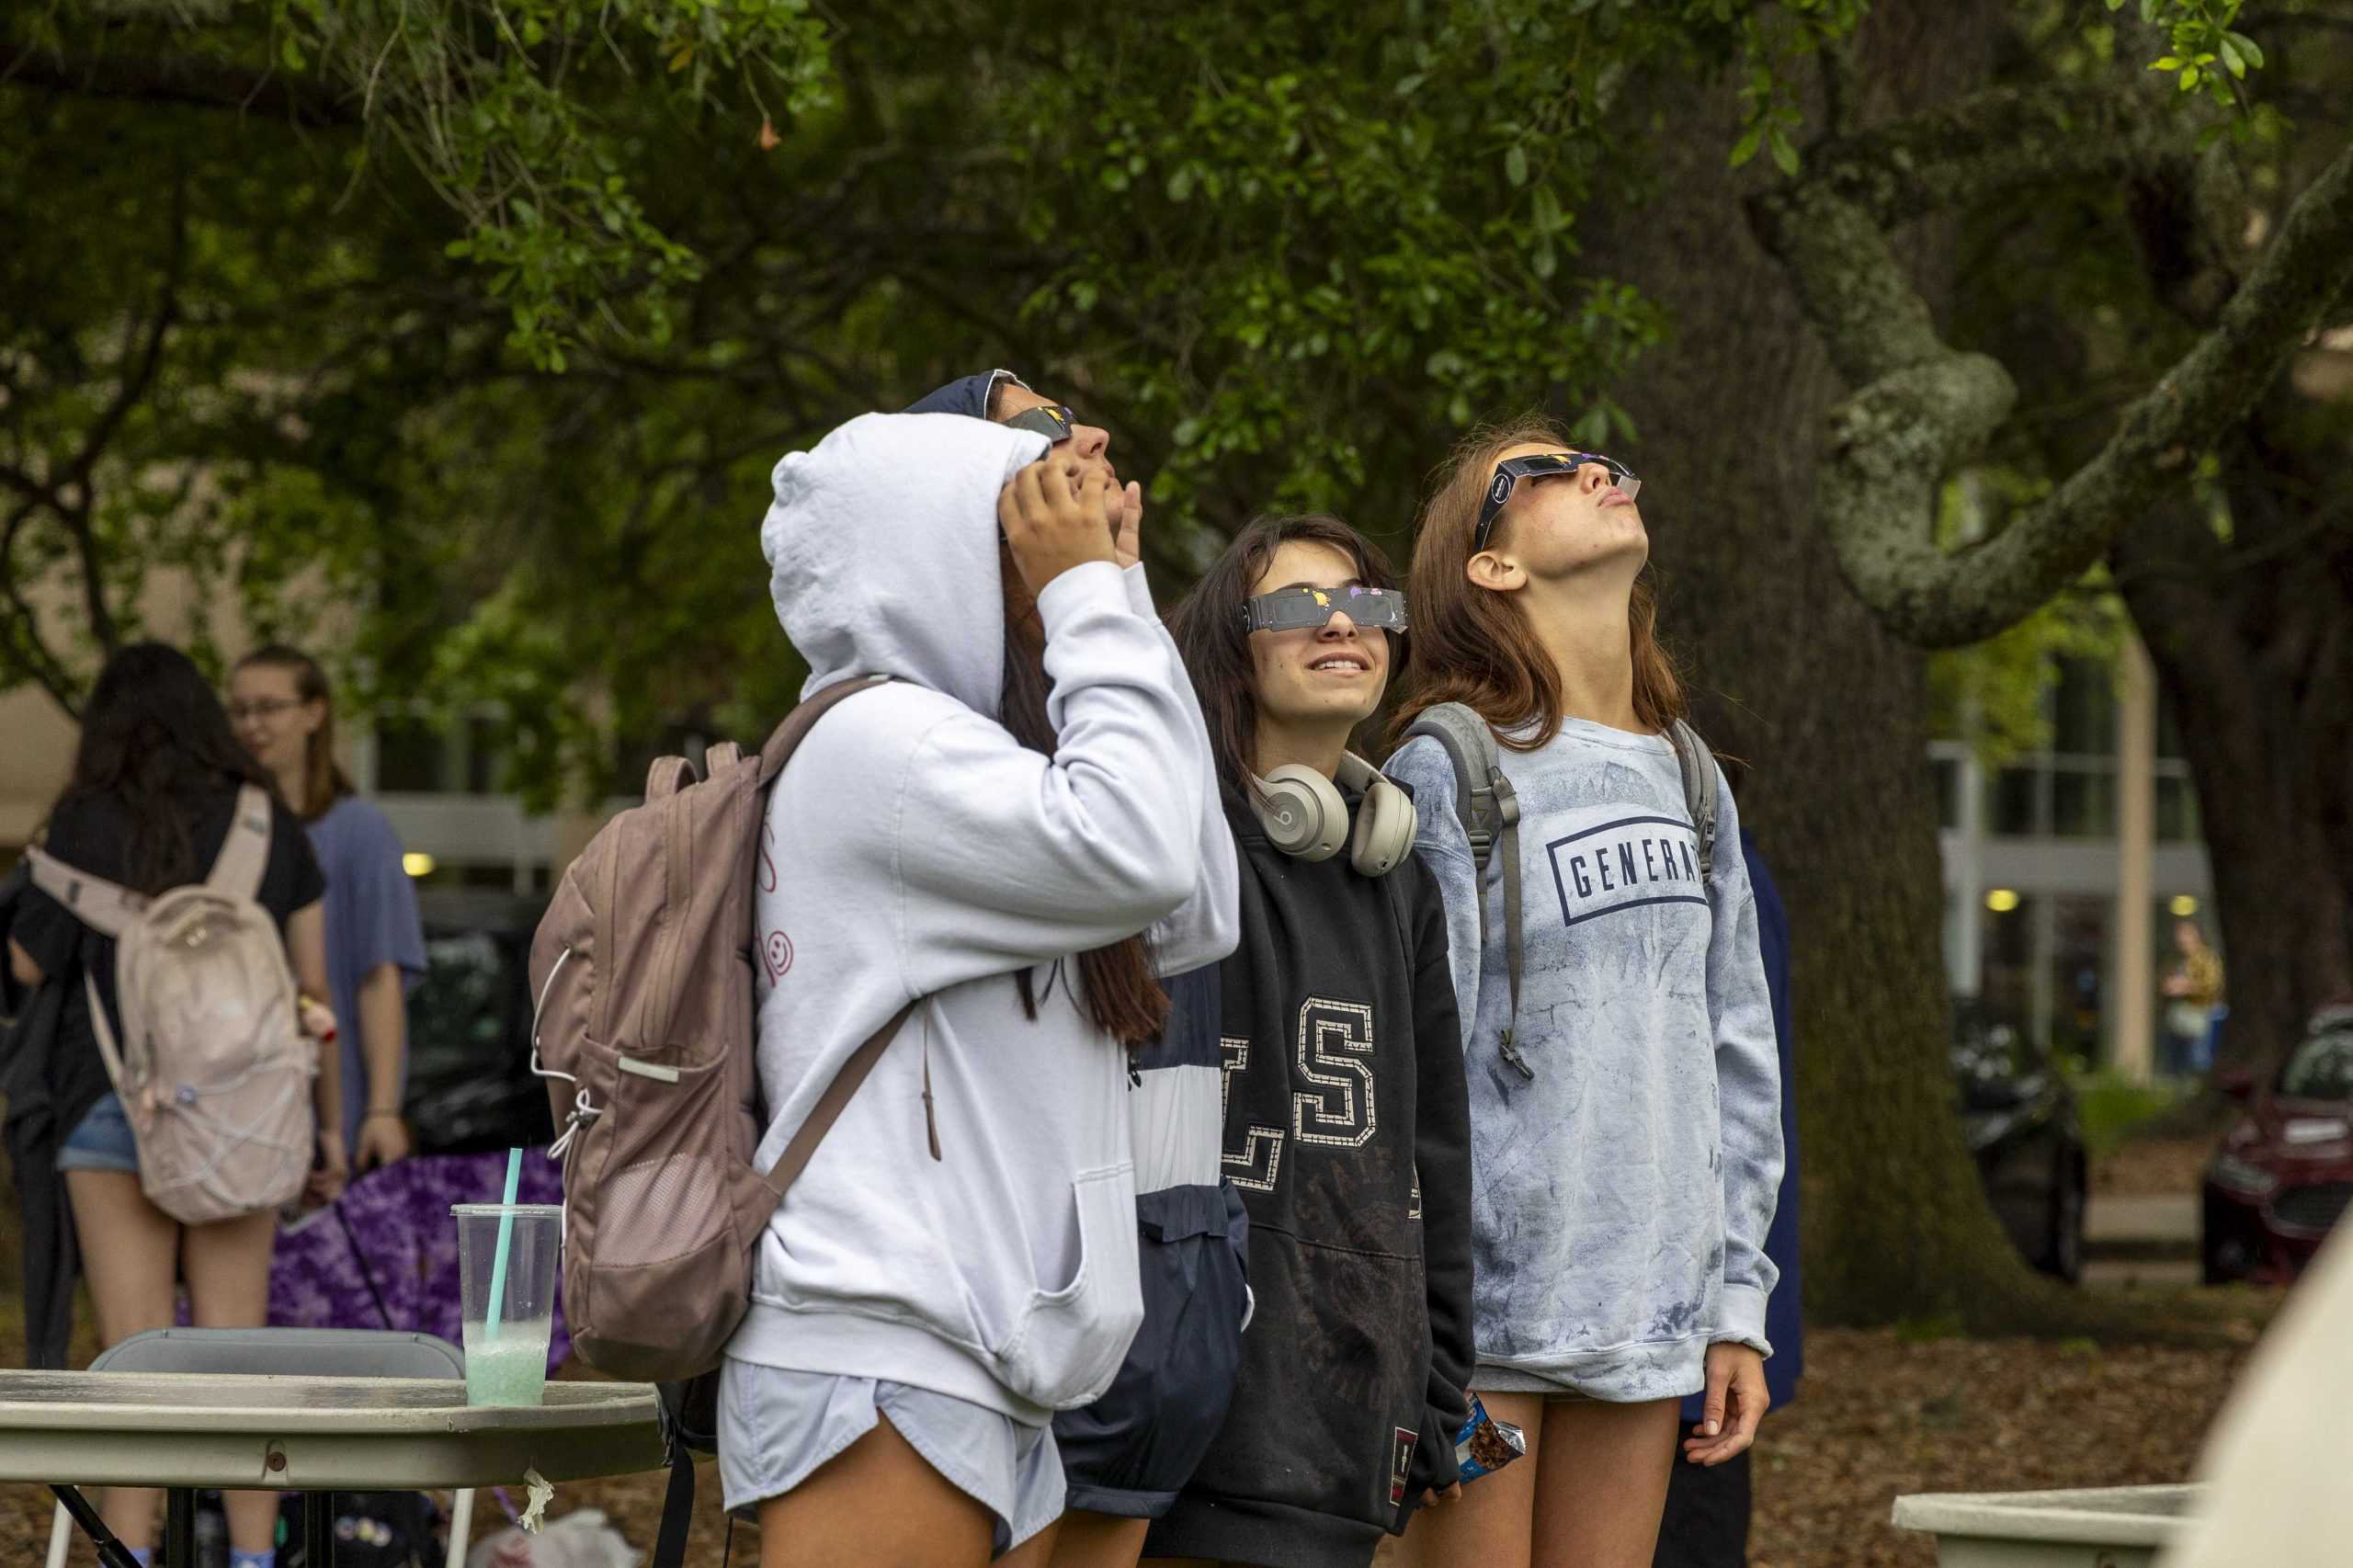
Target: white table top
(295, 1434)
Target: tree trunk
(2252, 641)
(1792, 675)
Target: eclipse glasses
(1544, 465)
(1300, 608)
(1054, 421)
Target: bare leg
(1038, 1552)
(876, 1505)
(129, 1250)
(1491, 1524)
(1100, 1540)
(228, 1287)
(1601, 1482)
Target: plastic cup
(506, 1340)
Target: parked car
(2018, 1116)
(470, 1083)
(2284, 1176)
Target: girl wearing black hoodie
(1346, 1124)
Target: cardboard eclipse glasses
(1300, 608)
(1543, 465)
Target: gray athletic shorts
(776, 1428)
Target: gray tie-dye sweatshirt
(1619, 1197)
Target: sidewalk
(2138, 1240)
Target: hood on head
(967, 395)
(882, 546)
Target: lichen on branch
(1922, 408)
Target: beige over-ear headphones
(1305, 816)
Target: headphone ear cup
(1386, 822)
(1303, 814)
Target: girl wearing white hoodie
(988, 837)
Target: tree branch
(180, 79)
(1921, 408)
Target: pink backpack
(212, 1065)
(643, 970)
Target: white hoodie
(922, 852)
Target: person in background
(284, 714)
(1706, 1524)
(2193, 989)
(151, 801)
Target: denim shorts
(101, 1140)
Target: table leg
(112, 1553)
(180, 1527)
(318, 1529)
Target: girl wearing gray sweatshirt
(1626, 1146)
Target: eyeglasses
(1544, 465)
(267, 707)
(1052, 420)
(1302, 607)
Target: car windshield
(2321, 1068)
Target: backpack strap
(788, 737)
(105, 907)
(1489, 810)
(245, 854)
(1700, 783)
(830, 1105)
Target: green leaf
(2166, 62)
(1516, 164)
(1785, 152)
(1745, 148)
(1180, 184)
(2249, 51)
(2188, 78)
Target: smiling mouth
(1348, 662)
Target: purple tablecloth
(385, 1254)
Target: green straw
(506, 1238)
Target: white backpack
(212, 1066)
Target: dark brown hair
(1123, 995)
(1209, 633)
(324, 779)
(155, 739)
(1475, 647)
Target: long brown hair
(1209, 633)
(324, 779)
(1475, 647)
(1123, 995)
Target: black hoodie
(1348, 1130)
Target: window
(2083, 710)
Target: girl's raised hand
(1050, 528)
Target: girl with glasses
(1623, 1082)
(284, 713)
(1344, 1119)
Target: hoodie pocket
(1068, 1344)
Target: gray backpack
(1490, 815)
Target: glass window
(411, 756)
(483, 755)
(2083, 710)
(2321, 1069)
(2083, 804)
(2006, 960)
(2010, 804)
(1947, 771)
(2176, 809)
(2079, 967)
